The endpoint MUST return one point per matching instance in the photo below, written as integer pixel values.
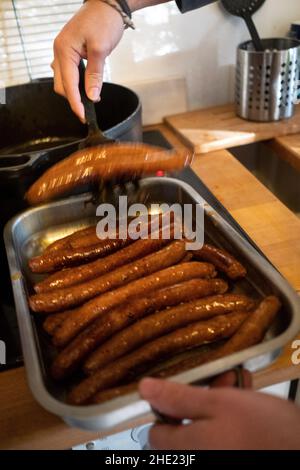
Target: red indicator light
(160, 173)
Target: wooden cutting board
(217, 128)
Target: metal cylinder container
(266, 82)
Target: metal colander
(266, 82)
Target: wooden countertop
(289, 148)
(25, 425)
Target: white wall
(199, 46)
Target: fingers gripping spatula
(245, 9)
(95, 135)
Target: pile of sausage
(116, 308)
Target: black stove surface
(9, 332)
(8, 322)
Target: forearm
(135, 5)
(183, 5)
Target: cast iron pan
(35, 122)
(38, 128)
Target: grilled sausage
(114, 392)
(251, 332)
(141, 359)
(254, 328)
(163, 372)
(147, 244)
(84, 249)
(124, 315)
(81, 317)
(161, 323)
(67, 297)
(103, 163)
(54, 321)
(160, 221)
(52, 261)
(66, 242)
(72, 276)
(222, 260)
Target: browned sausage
(114, 392)
(71, 276)
(251, 332)
(68, 297)
(161, 220)
(89, 240)
(74, 254)
(103, 163)
(164, 372)
(65, 242)
(75, 275)
(124, 315)
(61, 299)
(93, 309)
(53, 261)
(161, 323)
(53, 321)
(222, 260)
(141, 359)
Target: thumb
(94, 74)
(177, 400)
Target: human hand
(221, 418)
(92, 34)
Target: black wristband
(125, 7)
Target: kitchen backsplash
(174, 61)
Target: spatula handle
(89, 107)
(253, 32)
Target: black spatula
(245, 9)
(95, 136)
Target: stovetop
(8, 322)
(9, 332)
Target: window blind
(27, 31)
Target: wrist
(121, 7)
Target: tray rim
(114, 411)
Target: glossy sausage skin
(126, 314)
(72, 276)
(52, 261)
(115, 392)
(73, 296)
(103, 163)
(54, 321)
(83, 316)
(163, 322)
(131, 365)
(83, 249)
(68, 240)
(251, 332)
(222, 260)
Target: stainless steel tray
(28, 233)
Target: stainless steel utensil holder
(266, 82)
